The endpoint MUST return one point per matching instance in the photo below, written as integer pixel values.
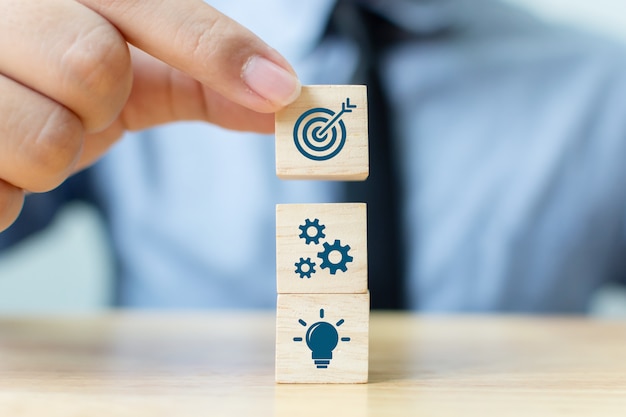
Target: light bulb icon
(322, 338)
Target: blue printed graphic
(319, 133)
(312, 226)
(340, 264)
(334, 257)
(305, 267)
(322, 338)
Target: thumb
(212, 48)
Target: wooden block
(322, 338)
(323, 134)
(321, 248)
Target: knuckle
(97, 66)
(53, 150)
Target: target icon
(319, 133)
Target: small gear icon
(328, 250)
(309, 267)
(319, 231)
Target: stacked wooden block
(322, 324)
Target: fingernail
(270, 81)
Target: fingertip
(276, 84)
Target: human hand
(70, 85)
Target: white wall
(68, 268)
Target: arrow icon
(345, 108)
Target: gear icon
(308, 267)
(328, 250)
(319, 231)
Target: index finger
(212, 48)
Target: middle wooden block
(321, 248)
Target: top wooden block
(323, 134)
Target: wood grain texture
(351, 162)
(342, 223)
(298, 316)
(222, 364)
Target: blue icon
(306, 229)
(322, 338)
(305, 267)
(319, 133)
(340, 264)
(334, 257)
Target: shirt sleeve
(40, 209)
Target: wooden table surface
(222, 364)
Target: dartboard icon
(319, 133)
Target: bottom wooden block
(322, 338)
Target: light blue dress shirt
(513, 145)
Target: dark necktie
(382, 190)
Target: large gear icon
(308, 270)
(325, 257)
(319, 231)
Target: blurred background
(67, 269)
